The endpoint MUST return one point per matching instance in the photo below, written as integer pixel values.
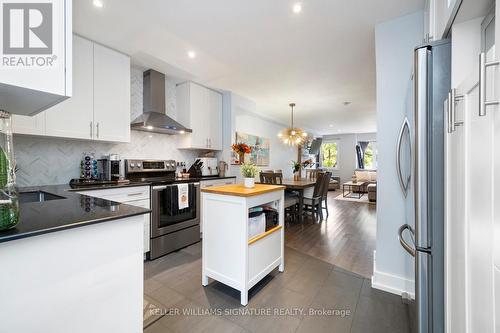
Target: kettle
(222, 168)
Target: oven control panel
(133, 166)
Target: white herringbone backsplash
(46, 161)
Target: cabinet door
(215, 139)
(29, 125)
(200, 115)
(73, 118)
(111, 95)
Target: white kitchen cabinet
(111, 95)
(430, 20)
(100, 106)
(31, 83)
(34, 125)
(73, 118)
(200, 109)
(134, 195)
(215, 137)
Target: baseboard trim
(391, 283)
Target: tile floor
(307, 283)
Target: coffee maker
(110, 167)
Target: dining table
(299, 186)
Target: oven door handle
(159, 188)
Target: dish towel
(183, 193)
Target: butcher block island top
(240, 190)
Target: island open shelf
(229, 255)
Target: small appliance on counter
(208, 166)
(110, 168)
(223, 167)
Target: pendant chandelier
(293, 135)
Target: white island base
(229, 256)
(80, 280)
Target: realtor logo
(27, 28)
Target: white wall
(43, 160)
(394, 44)
(346, 150)
(240, 116)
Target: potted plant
(297, 166)
(241, 149)
(249, 171)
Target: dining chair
(291, 201)
(267, 177)
(313, 204)
(324, 196)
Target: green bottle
(9, 203)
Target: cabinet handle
(453, 98)
(483, 103)
(97, 128)
(134, 194)
(91, 129)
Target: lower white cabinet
(139, 196)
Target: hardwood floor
(346, 239)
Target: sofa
(369, 180)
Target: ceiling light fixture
(293, 135)
(297, 8)
(98, 3)
(191, 54)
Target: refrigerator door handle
(422, 230)
(402, 182)
(406, 246)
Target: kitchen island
(73, 263)
(233, 253)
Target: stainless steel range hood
(153, 118)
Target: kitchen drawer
(122, 194)
(263, 254)
(217, 182)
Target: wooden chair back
(326, 183)
(318, 186)
(267, 177)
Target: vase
(242, 158)
(9, 203)
(296, 175)
(249, 182)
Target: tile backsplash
(43, 161)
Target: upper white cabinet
(200, 109)
(439, 16)
(111, 95)
(36, 72)
(100, 106)
(73, 117)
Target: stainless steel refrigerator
(420, 168)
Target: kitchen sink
(37, 196)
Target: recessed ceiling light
(331, 125)
(191, 54)
(297, 8)
(98, 3)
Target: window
(370, 156)
(329, 155)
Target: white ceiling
(259, 49)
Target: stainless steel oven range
(173, 225)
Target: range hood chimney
(153, 118)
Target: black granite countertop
(72, 211)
